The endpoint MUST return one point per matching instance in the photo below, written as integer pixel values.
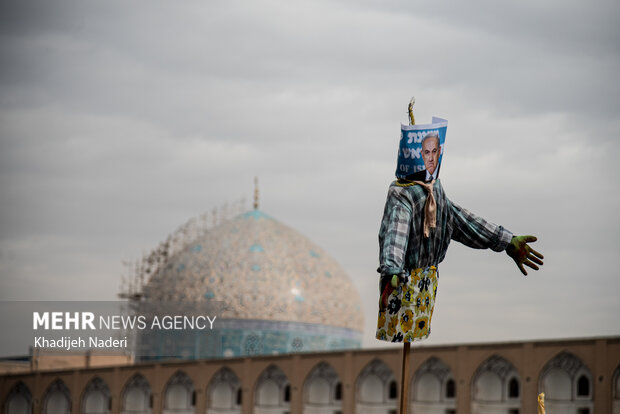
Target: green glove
(394, 282)
(523, 254)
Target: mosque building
(288, 340)
(275, 292)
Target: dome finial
(255, 193)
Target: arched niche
(136, 396)
(567, 384)
(96, 397)
(224, 395)
(433, 389)
(322, 390)
(57, 399)
(375, 388)
(19, 400)
(496, 387)
(272, 392)
(179, 395)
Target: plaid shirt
(401, 240)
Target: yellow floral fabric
(407, 316)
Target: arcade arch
(19, 400)
(273, 392)
(567, 384)
(433, 389)
(57, 399)
(96, 397)
(224, 393)
(136, 396)
(496, 387)
(179, 397)
(376, 389)
(322, 390)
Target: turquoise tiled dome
(263, 271)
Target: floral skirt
(407, 316)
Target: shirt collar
(430, 177)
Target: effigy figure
(419, 222)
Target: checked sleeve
(476, 232)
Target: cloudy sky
(121, 120)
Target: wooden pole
(404, 379)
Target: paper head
(421, 150)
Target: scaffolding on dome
(139, 271)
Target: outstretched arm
(475, 232)
(523, 254)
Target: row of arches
(495, 387)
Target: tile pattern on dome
(260, 269)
